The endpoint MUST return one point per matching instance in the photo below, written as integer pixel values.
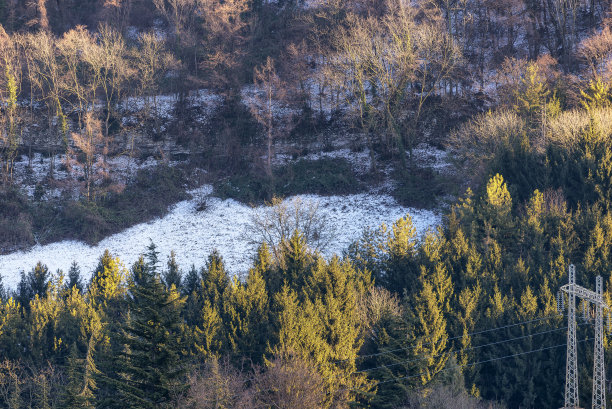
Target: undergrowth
(24, 222)
(323, 177)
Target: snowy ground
(223, 225)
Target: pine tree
(246, 312)
(74, 277)
(215, 280)
(429, 325)
(294, 264)
(205, 306)
(208, 334)
(151, 368)
(152, 257)
(38, 280)
(400, 267)
(3, 293)
(13, 331)
(192, 289)
(172, 275)
(79, 391)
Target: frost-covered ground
(30, 173)
(223, 225)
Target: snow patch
(223, 225)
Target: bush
(421, 187)
(15, 220)
(147, 197)
(324, 177)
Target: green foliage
(172, 274)
(597, 95)
(151, 372)
(323, 176)
(531, 97)
(422, 187)
(79, 392)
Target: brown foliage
(596, 51)
(268, 105)
(91, 144)
(225, 35)
(217, 385)
(289, 382)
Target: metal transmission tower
(571, 375)
(599, 371)
(571, 368)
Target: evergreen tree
(215, 279)
(429, 326)
(400, 266)
(38, 280)
(206, 305)
(74, 277)
(172, 275)
(79, 391)
(246, 312)
(294, 264)
(192, 289)
(3, 292)
(152, 257)
(151, 370)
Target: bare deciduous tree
(152, 64)
(46, 75)
(289, 382)
(596, 52)
(115, 71)
(268, 106)
(225, 35)
(277, 221)
(217, 385)
(91, 143)
(10, 88)
(389, 64)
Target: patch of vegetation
(422, 187)
(24, 222)
(15, 220)
(324, 177)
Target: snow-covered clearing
(223, 225)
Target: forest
(111, 110)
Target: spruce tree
(192, 289)
(429, 325)
(38, 280)
(246, 316)
(74, 277)
(172, 274)
(400, 266)
(151, 371)
(80, 388)
(294, 264)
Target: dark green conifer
(80, 388)
(74, 277)
(172, 274)
(151, 371)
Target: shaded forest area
(518, 93)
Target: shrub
(323, 176)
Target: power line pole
(599, 370)
(571, 366)
(571, 373)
